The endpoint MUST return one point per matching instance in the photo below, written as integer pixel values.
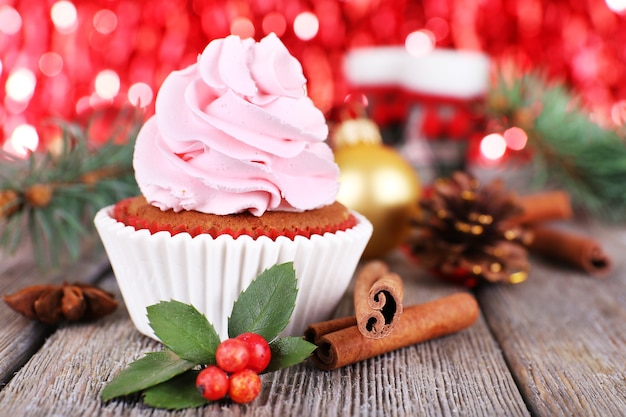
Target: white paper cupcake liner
(210, 273)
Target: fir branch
(82, 179)
(569, 150)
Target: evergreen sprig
(51, 198)
(568, 149)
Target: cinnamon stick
(378, 297)
(418, 323)
(317, 330)
(577, 250)
(544, 206)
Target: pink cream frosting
(235, 132)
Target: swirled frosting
(234, 132)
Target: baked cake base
(138, 213)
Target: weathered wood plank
(564, 335)
(462, 374)
(21, 337)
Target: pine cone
(464, 235)
(9, 203)
(39, 195)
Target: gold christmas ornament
(376, 181)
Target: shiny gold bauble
(379, 183)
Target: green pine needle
(57, 229)
(569, 150)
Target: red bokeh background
(141, 41)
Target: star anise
(51, 304)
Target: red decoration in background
(65, 58)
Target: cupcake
(235, 176)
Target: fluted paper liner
(210, 273)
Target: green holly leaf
(168, 378)
(288, 351)
(184, 330)
(177, 393)
(152, 369)
(265, 307)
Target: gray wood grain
(458, 375)
(554, 345)
(564, 335)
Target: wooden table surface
(554, 345)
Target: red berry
(244, 386)
(232, 355)
(212, 383)
(258, 349)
